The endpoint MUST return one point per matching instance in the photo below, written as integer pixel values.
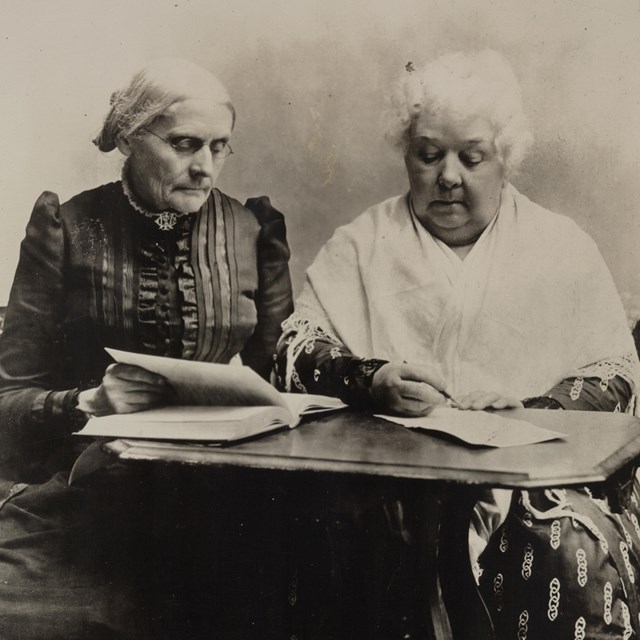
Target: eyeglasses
(187, 146)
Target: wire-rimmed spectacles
(188, 146)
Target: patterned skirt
(563, 565)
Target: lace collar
(166, 220)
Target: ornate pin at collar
(166, 220)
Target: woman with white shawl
(464, 288)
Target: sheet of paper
(482, 428)
(207, 383)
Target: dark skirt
(141, 554)
(68, 566)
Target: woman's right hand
(407, 389)
(125, 388)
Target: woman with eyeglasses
(159, 262)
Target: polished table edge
(148, 451)
(296, 451)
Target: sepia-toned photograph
(319, 320)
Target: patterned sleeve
(311, 358)
(604, 386)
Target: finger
(420, 391)
(137, 403)
(134, 392)
(507, 403)
(134, 373)
(476, 395)
(117, 389)
(422, 373)
(466, 402)
(412, 408)
(484, 400)
(123, 407)
(138, 396)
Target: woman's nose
(202, 162)
(450, 175)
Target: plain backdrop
(309, 80)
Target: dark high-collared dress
(94, 273)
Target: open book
(216, 403)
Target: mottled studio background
(308, 79)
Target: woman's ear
(124, 145)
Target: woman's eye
(429, 158)
(186, 144)
(219, 147)
(472, 159)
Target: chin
(188, 203)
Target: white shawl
(532, 303)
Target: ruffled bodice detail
(167, 305)
(187, 288)
(188, 298)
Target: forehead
(453, 130)
(197, 117)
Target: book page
(207, 383)
(483, 428)
(207, 424)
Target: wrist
(363, 389)
(88, 402)
(76, 419)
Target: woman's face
(456, 176)
(174, 163)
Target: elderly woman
(463, 287)
(159, 262)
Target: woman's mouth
(447, 203)
(194, 189)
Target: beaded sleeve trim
(301, 330)
(625, 366)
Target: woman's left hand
(478, 400)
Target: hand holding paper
(214, 403)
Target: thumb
(429, 373)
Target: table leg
(454, 608)
(341, 589)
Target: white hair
(152, 91)
(465, 85)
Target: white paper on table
(481, 428)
